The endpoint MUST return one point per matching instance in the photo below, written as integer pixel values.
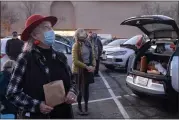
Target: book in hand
(54, 93)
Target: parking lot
(110, 98)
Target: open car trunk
(153, 64)
(156, 27)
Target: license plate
(142, 81)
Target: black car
(154, 68)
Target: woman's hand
(88, 68)
(45, 109)
(91, 69)
(71, 98)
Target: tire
(110, 67)
(139, 94)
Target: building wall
(100, 16)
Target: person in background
(98, 47)
(8, 107)
(14, 46)
(38, 65)
(83, 67)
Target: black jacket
(97, 41)
(9, 108)
(32, 71)
(14, 48)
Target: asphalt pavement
(110, 98)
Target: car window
(133, 40)
(105, 42)
(157, 26)
(166, 48)
(59, 47)
(61, 39)
(117, 42)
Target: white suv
(117, 57)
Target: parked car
(63, 39)
(117, 57)
(114, 43)
(62, 47)
(161, 74)
(4, 56)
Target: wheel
(109, 67)
(139, 94)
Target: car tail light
(2, 55)
(173, 47)
(155, 81)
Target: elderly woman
(38, 65)
(83, 66)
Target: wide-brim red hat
(33, 21)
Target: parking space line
(98, 100)
(115, 76)
(103, 99)
(118, 103)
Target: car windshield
(105, 41)
(132, 41)
(117, 42)
(157, 26)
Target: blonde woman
(83, 67)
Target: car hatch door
(174, 70)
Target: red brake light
(1, 56)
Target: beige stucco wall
(105, 16)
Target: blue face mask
(49, 37)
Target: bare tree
(30, 7)
(8, 17)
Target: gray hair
(29, 44)
(80, 33)
(9, 65)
